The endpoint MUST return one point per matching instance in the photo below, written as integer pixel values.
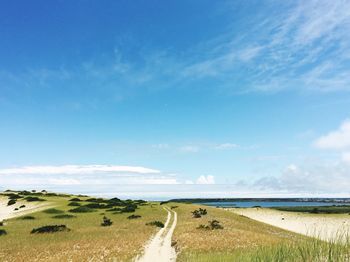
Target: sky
(163, 99)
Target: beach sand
(323, 226)
(7, 212)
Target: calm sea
(267, 204)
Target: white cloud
(205, 180)
(346, 157)
(77, 169)
(338, 139)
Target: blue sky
(211, 98)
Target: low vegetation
(155, 223)
(64, 216)
(106, 222)
(27, 218)
(50, 229)
(212, 224)
(134, 217)
(3, 232)
(341, 209)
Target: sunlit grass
(87, 240)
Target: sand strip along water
(159, 248)
(323, 226)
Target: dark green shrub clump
(75, 199)
(213, 224)
(82, 209)
(11, 202)
(155, 223)
(199, 213)
(50, 229)
(106, 222)
(1, 224)
(96, 205)
(22, 206)
(27, 218)
(134, 216)
(128, 209)
(74, 204)
(64, 216)
(33, 199)
(3, 232)
(53, 211)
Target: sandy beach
(7, 212)
(323, 226)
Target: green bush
(3, 232)
(74, 204)
(106, 222)
(75, 199)
(27, 218)
(33, 199)
(50, 229)
(11, 202)
(155, 223)
(64, 216)
(213, 224)
(53, 211)
(82, 209)
(134, 216)
(22, 206)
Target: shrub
(3, 232)
(53, 211)
(128, 209)
(75, 199)
(213, 224)
(155, 223)
(11, 202)
(33, 199)
(199, 213)
(96, 205)
(82, 209)
(106, 222)
(16, 209)
(64, 216)
(27, 218)
(74, 204)
(115, 209)
(173, 207)
(50, 229)
(13, 196)
(22, 206)
(134, 216)
(1, 224)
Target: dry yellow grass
(239, 233)
(87, 240)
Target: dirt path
(7, 212)
(159, 248)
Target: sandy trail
(159, 248)
(326, 227)
(7, 212)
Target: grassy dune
(239, 234)
(87, 240)
(342, 209)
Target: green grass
(305, 251)
(343, 209)
(86, 240)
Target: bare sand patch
(7, 212)
(323, 226)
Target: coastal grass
(302, 251)
(335, 209)
(85, 241)
(239, 234)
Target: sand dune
(7, 212)
(324, 226)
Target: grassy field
(230, 238)
(343, 209)
(87, 240)
(239, 234)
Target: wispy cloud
(205, 180)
